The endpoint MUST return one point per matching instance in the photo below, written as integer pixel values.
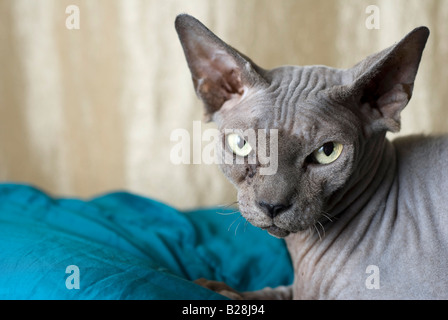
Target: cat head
(321, 120)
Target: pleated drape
(89, 110)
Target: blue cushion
(124, 246)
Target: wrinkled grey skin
(380, 203)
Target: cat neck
(375, 173)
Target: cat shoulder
(422, 144)
(423, 154)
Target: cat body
(397, 225)
(362, 217)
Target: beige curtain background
(91, 110)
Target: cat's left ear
(220, 73)
(383, 83)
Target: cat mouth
(278, 227)
(276, 231)
(280, 232)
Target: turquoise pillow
(123, 246)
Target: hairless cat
(362, 217)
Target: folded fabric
(123, 246)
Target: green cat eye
(238, 145)
(328, 153)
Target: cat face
(316, 123)
(317, 140)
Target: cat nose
(273, 210)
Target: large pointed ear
(219, 72)
(383, 83)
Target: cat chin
(277, 232)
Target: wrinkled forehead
(293, 93)
(296, 102)
(293, 84)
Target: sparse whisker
(234, 222)
(238, 225)
(318, 233)
(326, 215)
(227, 213)
(323, 228)
(228, 205)
(309, 230)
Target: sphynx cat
(363, 217)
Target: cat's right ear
(220, 73)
